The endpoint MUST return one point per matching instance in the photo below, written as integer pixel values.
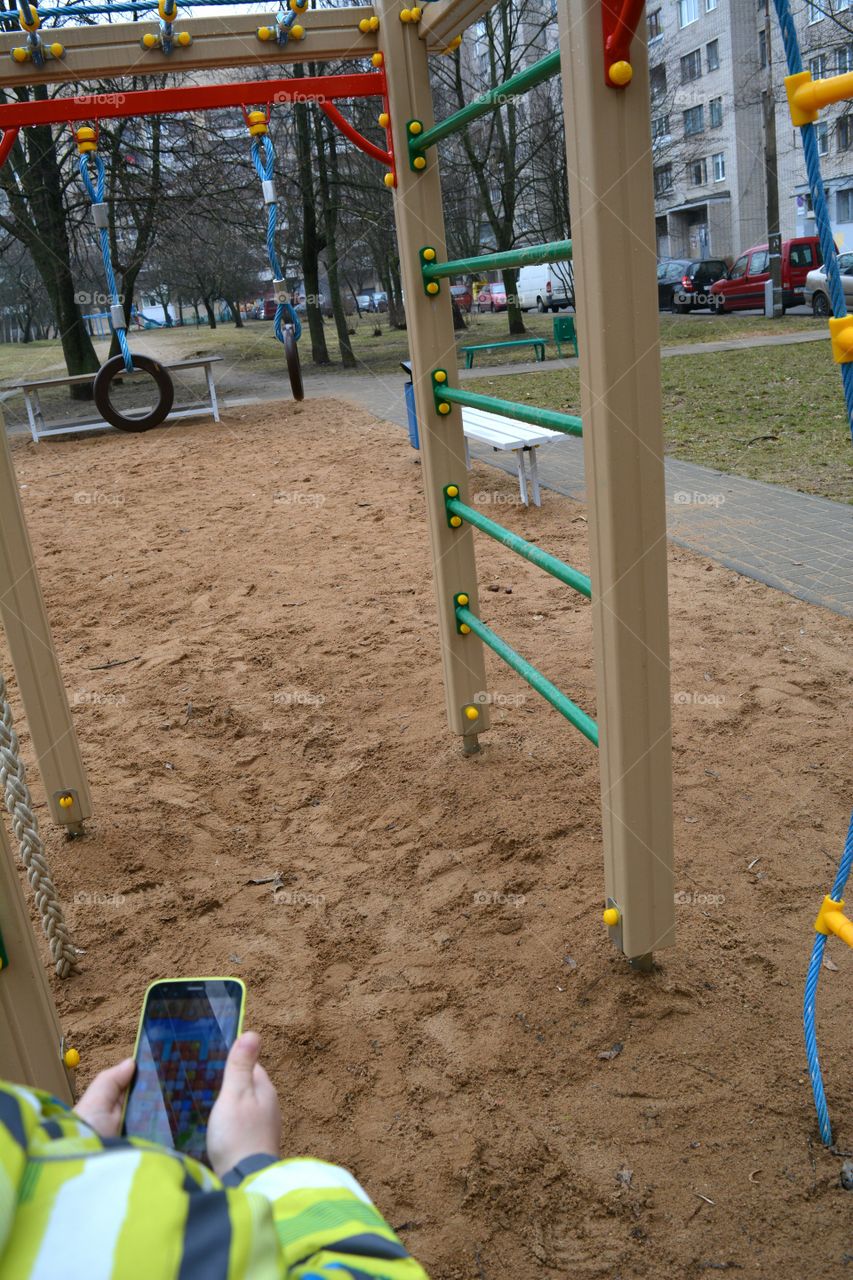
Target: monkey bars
(550, 418)
(530, 255)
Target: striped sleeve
(327, 1225)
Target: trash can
(411, 415)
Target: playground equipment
(605, 87)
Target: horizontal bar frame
(533, 255)
(527, 550)
(543, 686)
(550, 419)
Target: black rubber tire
(294, 368)
(541, 307)
(820, 305)
(115, 368)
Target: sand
(277, 797)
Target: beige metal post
(30, 1036)
(34, 659)
(420, 223)
(608, 141)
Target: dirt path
(441, 1008)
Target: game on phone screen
(186, 1031)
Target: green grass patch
(771, 413)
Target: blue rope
(96, 192)
(263, 156)
(820, 205)
(812, 977)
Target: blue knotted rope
(820, 206)
(96, 192)
(263, 156)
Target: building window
(663, 179)
(844, 205)
(655, 28)
(817, 67)
(657, 82)
(688, 11)
(712, 52)
(710, 5)
(660, 128)
(814, 13)
(718, 163)
(694, 121)
(698, 170)
(844, 60)
(715, 113)
(762, 49)
(691, 66)
(844, 133)
(821, 131)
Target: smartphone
(185, 1031)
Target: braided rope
(263, 156)
(96, 192)
(19, 803)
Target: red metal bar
(10, 137)
(358, 139)
(619, 20)
(203, 97)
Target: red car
(462, 294)
(743, 287)
(492, 297)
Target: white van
(547, 287)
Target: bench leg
(37, 412)
(467, 455)
(469, 359)
(211, 387)
(534, 476)
(34, 431)
(522, 477)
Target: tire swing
(86, 140)
(287, 325)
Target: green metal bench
(537, 343)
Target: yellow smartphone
(186, 1028)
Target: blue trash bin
(411, 414)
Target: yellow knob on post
(432, 288)
(364, 26)
(462, 598)
(374, 23)
(20, 54)
(441, 376)
(621, 73)
(455, 521)
(471, 713)
(415, 127)
(384, 120)
(405, 15)
(444, 407)
(452, 491)
(429, 255)
(71, 1058)
(415, 14)
(419, 162)
(611, 917)
(297, 32)
(184, 39)
(66, 802)
(389, 179)
(57, 50)
(265, 33)
(465, 629)
(377, 59)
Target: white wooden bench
(39, 428)
(509, 433)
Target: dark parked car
(463, 296)
(693, 290)
(670, 271)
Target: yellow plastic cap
(462, 598)
(841, 336)
(415, 14)
(621, 73)
(374, 23)
(388, 179)
(429, 255)
(452, 491)
(440, 376)
(455, 521)
(432, 288)
(419, 162)
(71, 1058)
(20, 54)
(377, 59)
(57, 50)
(465, 629)
(416, 127)
(297, 32)
(265, 33)
(471, 713)
(799, 91)
(66, 802)
(405, 15)
(150, 41)
(184, 39)
(611, 917)
(444, 407)
(364, 26)
(384, 120)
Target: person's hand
(101, 1104)
(245, 1119)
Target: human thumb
(241, 1063)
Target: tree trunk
(238, 319)
(458, 318)
(312, 243)
(513, 310)
(211, 318)
(328, 199)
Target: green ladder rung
(548, 418)
(558, 700)
(532, 255)
(542, 559)
(545, 69)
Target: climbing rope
(820, 206)
(837, 898)
(287, 325)
(87, 146)
(19, 803)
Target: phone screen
(186, 1031)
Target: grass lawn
(774, 414)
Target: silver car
(816, 292)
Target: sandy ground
(429, 971)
